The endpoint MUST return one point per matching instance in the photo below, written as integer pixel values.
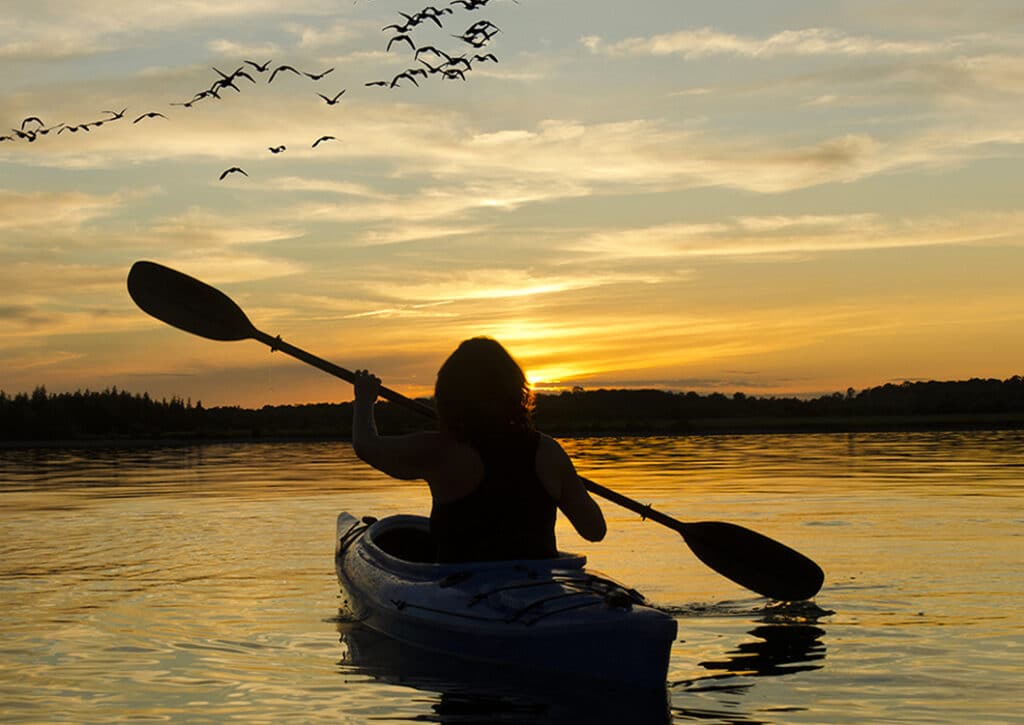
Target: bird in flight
(317, 76)
(275, 149)
(408, 74)
(383, 84)
(151, 114)
(404, 37)
(29, 136)
(233, 170)
(115, 115)
(322, 139)
(281, 68)
(259, 68)
(333, 101)
(31, 119)
(432, 49)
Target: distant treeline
(114, 414)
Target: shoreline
(696, 428)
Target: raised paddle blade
(752, 560)
(186, 303)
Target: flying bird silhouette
(30, 119)
(404, 37)
(116, 115)
(151, 114)
(322, 139)
(211, 93)
(232, 170)
(259, 68)
(317, 76)
(431, 49)
(482, 26)
(281, 68)
(404, 74)
(333, 101)
(275, 149)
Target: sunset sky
(774, 198)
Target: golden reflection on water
(195, 584)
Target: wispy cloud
(749, 236)
(706, 42)
(35, 210)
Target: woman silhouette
(495, 481)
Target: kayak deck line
(612, 599)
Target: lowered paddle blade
(748, 558)
(186, 303)
(752, 560)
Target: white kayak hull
(549, 615)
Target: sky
(787, 198)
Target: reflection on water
(471, 692)
(196, 585)
(474, 692)
(778, 649)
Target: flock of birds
(427, 61)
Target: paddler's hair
(481, 391)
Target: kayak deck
(551, 614)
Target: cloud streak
(706, 42)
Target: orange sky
(792, 200)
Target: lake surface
(197, 584)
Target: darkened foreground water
(197, 585)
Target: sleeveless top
(510, 515)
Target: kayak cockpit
(405, 540)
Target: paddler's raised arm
(406, 457)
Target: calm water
(197, 585)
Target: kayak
(538, 615)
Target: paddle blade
(753, 560)
(186, 303)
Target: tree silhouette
(118, 415)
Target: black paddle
(746, 557)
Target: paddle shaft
(276, 343)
